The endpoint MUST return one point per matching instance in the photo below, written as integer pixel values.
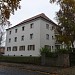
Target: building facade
(27, 37)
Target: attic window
(52, 27)
(15, 30)
(9, 32)
(23, 28)
(47, 26)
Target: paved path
(34, 68)
(41, 70)
(5, 70)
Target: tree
(6, 8)
(3, 33)
(1, 37)
(66, 19)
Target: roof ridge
(42, 15)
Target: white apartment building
(27, 37)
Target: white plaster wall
(27, 41)
(39, 40)
(43, 32)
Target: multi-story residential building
(27, 37)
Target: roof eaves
(42, 15)
(25, 21)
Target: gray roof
(42, 15)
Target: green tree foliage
(66, 19)
(47, 52)
(7, 7)
(44, 50)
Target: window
(31, 36)
(48, 47)
(15, 30)
(22, 48)
(31, 47)
(23, 28)
(8, 48)
(47, 36)
(9, 40)
(51, 28)
(52, 47)
(47, 26)
(14, 48)
(52, 37)
(32, 25)
(15, 39)
(9, 32)
(22, 38)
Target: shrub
(44, 50)
(47, 52)
(63, 50)
(20, 59)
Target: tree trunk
(72, 47)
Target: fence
(62, 60)
(72, 59)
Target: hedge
(17, 59)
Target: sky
(30, 8)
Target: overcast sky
(30, 8)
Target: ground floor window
(8, 48)
(57, 46)
(47, 46)
(52, 47)
(31, 47)
(22, 48)
(14, 48)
